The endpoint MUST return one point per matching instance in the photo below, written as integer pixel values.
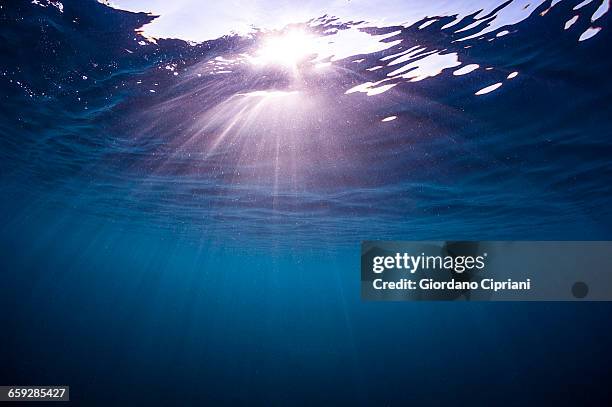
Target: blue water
(200, 243)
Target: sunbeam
(287, 49)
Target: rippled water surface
(440, 126)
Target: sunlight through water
(286, 49)
(280, 111)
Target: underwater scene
(184, 189)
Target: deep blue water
(200, 243)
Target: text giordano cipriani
(407, 263)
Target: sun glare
(288, 49)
